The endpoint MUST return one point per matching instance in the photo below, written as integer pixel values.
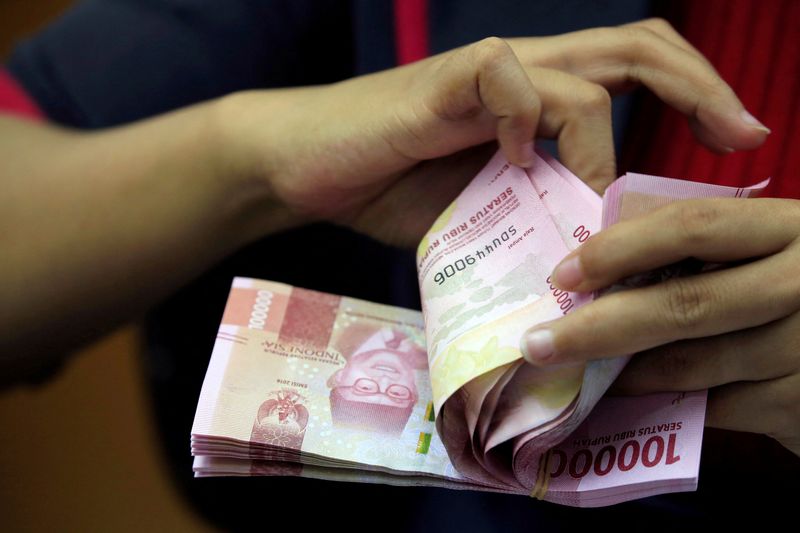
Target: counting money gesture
(131, 213)
(368, 151)
(732, 330)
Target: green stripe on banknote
(424, 443)
(429, 415)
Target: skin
(95, 227)
(735, 331)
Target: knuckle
(592, 257)
(617, 37)
(673, 364)
(636, 35)
(657, 23)
(695, 222)
(784, 403)
(788, 402)
(793, 406)
(792, 345)
(687, 304)
(491, 51)
(591, 322)
(637, 47)
(520, 121)
(595, 98)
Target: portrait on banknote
(376, 389)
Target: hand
(385, 153)
(735, 331)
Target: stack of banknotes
(303, 383)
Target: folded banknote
(311, 384)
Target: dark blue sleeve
(107, 62)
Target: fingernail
(728, 149)
(753, 122)
(568, 273)
(529, 154)
(537, 346)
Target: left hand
(735, 331)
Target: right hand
(386, 152)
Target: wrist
(241, 162)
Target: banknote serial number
(459, 265)
(258, 315)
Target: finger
(681, 308)
(768, 407)
(618, 58)
(486, 80)
(766, 352)
(578, 113)
(665, 30)
(714, 230)
(704, 134)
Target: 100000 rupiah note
(311, 384)
(484, 272)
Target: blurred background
(80, 452)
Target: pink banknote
(303, 383)
(497, 416)
(310, 384)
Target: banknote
(334, 381)
(311, 384)
(303, 383)
(481, 291)
(635, 194)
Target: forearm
(95, 227)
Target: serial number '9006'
(450, 270)
(459, 265)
